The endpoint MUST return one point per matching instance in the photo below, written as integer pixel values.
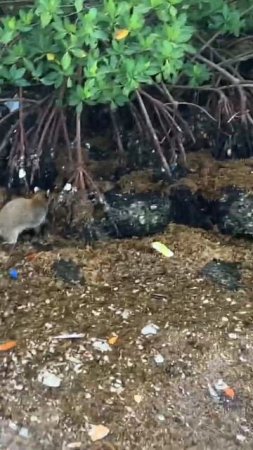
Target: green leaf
(78, 52)
(45, 18)
(173, 11)
(78, 5)
(155, 3)
(51, 78)
(66, 61)
(7, 37)
(11, 23)
(15, 73)
(110, 7)
(92, 14)
(136, 22)
(28, 64)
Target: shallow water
(205, 333)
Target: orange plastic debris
(229, 393)
(112, 340)
(7, 346)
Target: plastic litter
(13, 273)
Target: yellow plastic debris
(163, 249)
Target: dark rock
(227, 274)
(68, 271)
(190, 208)
(135, 215)
(235, 213)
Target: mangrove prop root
(153, 134)
(117, 135)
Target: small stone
(98, 432)
(224, 319)
(138, 398)
(68, 271)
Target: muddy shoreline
(205, 333)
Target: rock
(68, 271)
(135, 215)
(227, 274)
(235, 213)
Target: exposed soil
(205, 333)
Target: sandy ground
(148, 392)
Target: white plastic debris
(232, 336)
(12, 105)
(125, 314)
(117, 387)
(240, 438)
(24, 432)
(102, 345)
(150, 330)
(220, 385)
(213, 394)
(69, 336)
(21, 174)
(159, 359)
(161, 417)
(49, 379)
(74, 445)
(13, 426)
(97, 432)
(67, 187)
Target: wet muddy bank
(149, 391)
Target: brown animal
(22, 214)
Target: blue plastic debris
(13, 274)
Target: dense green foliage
(103, 51)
